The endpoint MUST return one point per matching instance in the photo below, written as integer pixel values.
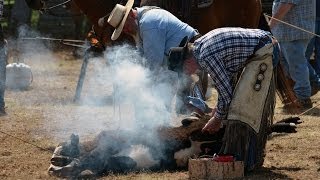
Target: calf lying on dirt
(114, 150)
(120, 151)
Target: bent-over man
(155, 31)
(224, 53)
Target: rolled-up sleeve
(222, 83)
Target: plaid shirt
(302, 14)
(222, 53)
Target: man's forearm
(283, 9)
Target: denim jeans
(297, 64)
(315, 44)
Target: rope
(75, 45)
(34, 145)
(68, 42)
(27, 142)
(57, 5)
(308, 110)
(54, 39)
(270, 17)
(48, 11)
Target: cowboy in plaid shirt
(222, 53)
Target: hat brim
(177, 56)
(116, 33)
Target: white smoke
(120, 92)
(148, 92)
(141, 155)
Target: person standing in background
(294, 42)
(3, 63)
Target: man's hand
(213, 125)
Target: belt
(262, 42)
(195, 38)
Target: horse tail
(263, 24)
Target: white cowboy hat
(118, 17)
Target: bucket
(18, 76)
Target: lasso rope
(57, 5)
(283, 22)
(27, 142)
(68, 42)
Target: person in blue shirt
(293, 42)
(155, 31)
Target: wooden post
(206, 168)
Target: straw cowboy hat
(118, 17)
(177, 56)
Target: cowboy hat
(118, 17)
(177, 56)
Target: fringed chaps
(243, 142)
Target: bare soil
(45, 114)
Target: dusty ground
(45, 114)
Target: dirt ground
(45, 114)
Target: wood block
(206, 168)
(198, 168)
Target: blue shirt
(223, 52)
(302, 14)
(159, 31)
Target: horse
(206, 15)
(203, 15)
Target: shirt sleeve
(222, 82)
(153, 43)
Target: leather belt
(195, 38)
(262, 42)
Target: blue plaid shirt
(302, 14)
(222, 53)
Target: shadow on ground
(271, 173)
